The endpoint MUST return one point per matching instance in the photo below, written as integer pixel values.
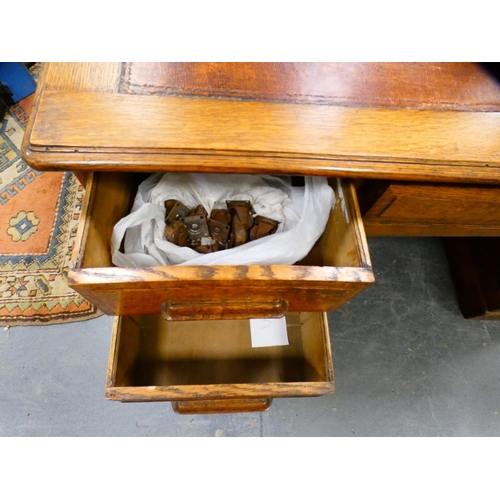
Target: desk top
(410, 121)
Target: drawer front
(402, 209)
(212, 363)
(336, 269)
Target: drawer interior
(113, 194)
(155, 359)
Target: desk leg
(475, 270)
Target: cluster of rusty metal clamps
(222, 230)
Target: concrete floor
(406, 364)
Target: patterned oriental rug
(39, 214)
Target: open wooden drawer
(336, 269)
(211, 367)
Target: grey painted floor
(406, 364)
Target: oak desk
(417, 143)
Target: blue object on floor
(17, 77)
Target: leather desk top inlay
(456, 86)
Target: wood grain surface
(82, 77)
(81, 122)
(202, 126)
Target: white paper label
(268, 332)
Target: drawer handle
(217, 309)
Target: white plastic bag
(302, 213)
